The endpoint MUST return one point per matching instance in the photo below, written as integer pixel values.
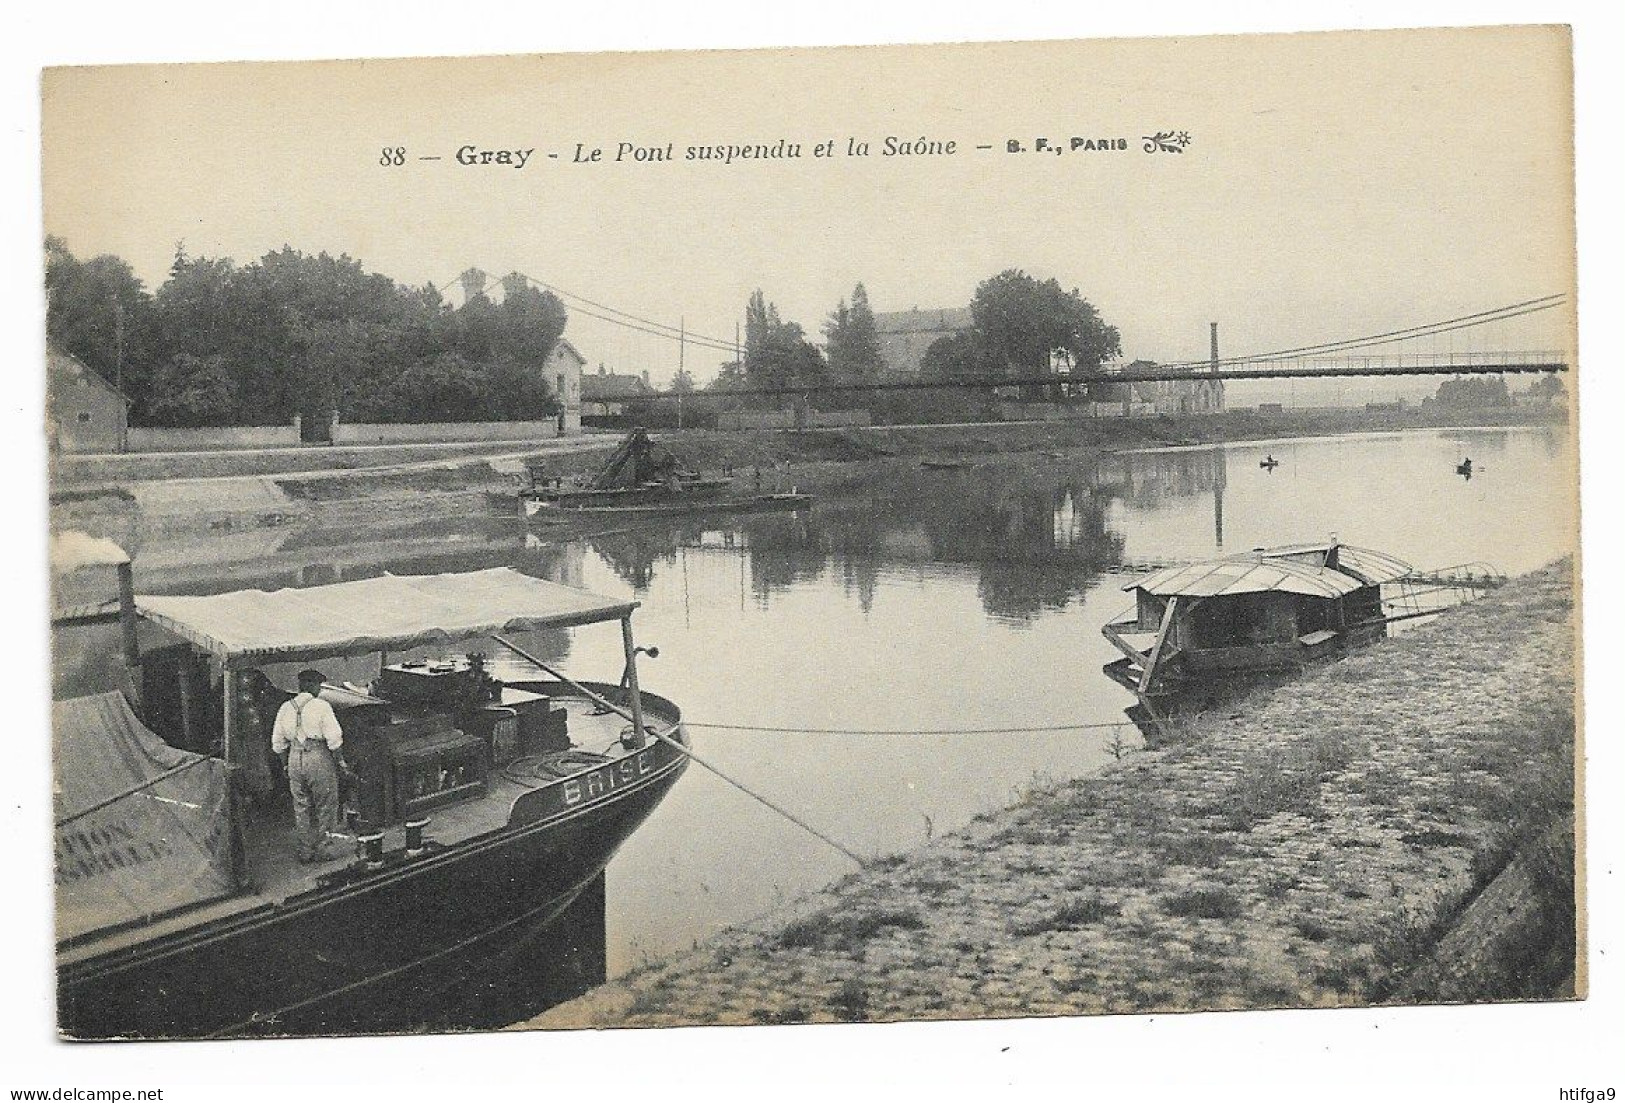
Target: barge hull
(391, 951)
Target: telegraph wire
(676, 332)
(637, 323)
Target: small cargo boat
(1270, 611)
(478, 810)
(640, 479)
(542, 510)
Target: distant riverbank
(1397, 827)
(227, 490)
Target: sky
(1333, 185)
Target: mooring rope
(682, 749)
(1025, 730)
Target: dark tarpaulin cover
(160, 848)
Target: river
(928, 601)
(973, 598)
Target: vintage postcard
(814, 536)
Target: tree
(294, 333)
(1474, 393)
(853, 342)
(299, 333)
(777, 353)
(1548, 388)
(961, 354)
(193, 304)
(528, 324)
(190, 390)
(518, 390)
(446, 388)
(99, 311)
(1021, 321)
(682, 382)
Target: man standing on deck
(306, 736)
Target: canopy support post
(191, 721)
(632, 680)
(129, 641)
(1148, 675)
(228, 724)
(228, 690)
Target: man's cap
(311, 675)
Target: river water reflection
(931, 600)
(972, 599)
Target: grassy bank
(1316, 845)
(831, 458)
(355, 486)
(712, 449)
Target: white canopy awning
(393, 612)
(1296, 569)
(1247, 576)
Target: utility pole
(118, 344)
(682, 348)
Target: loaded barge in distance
(641, 480)
(478, 813)
(1199, 628)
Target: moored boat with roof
(1259, 613)
(480, 809)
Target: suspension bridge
(1410, 351)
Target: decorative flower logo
(1167, 141)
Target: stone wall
(444, 432)
(213, 438)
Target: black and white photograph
(574, 546)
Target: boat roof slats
(1295, 568)
(392, 612)
(1369, 566)
(1248, 576)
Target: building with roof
(1199, 393)
(906, 334)
(83, 411)
(563, 374)
(606, 394)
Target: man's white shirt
(304, 717)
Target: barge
(478, 811)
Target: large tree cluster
(1475, 392)
(290, 333)
(1018, 324)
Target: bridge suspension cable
(1447, 325)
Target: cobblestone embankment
(1317, 845)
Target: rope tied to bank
(605, 703)
(1026, 729)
